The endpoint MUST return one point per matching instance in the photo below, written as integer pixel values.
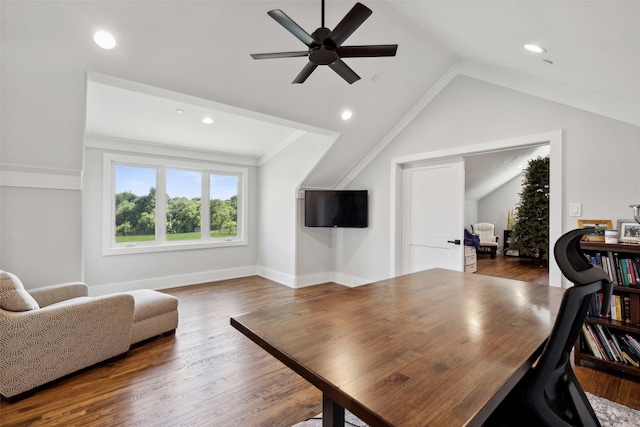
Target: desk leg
(332, 413)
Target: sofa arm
(39, 346)
(56, 293)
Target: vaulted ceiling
(201, 49)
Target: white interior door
(432, 216)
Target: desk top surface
(436, 347)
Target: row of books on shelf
(612, 347)
(623, 271)
(619, 307)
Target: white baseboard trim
(313, 279)
(297, 282)
(168, 282)
(348, 280)
(173, 281)
(276, 276)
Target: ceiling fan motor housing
(324, 52)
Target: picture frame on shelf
(599, 225)
(629, 231)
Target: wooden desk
(437, 347)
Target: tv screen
(331, 208)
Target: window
(184, 201)
(223, 205)
(135, 204)
(161, 204)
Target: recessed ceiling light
(104, 40)
(179, 111)
(534, 48)
(207, 120)
(346, 115)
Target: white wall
(41, 225)
(470, 213)
(313, 251)
(40, 235)
(351, 264)
(494, 207)
(469, 111)
(281, 241)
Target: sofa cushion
(13, 296)
(149, 303)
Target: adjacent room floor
(525, 269)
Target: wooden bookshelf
(613, 336)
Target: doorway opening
(493, 183)
(554, 139)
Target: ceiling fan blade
(367, 51)
(352, 20)
(306, 72)
(279, 55)
(344, 71)
(291, 26)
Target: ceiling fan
(325, 45)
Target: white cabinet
(470, 259)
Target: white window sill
(144, 247)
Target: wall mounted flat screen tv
(332, 208)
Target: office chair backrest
(553, 392)
(574, 264)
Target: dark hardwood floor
(209, 374)
(525, 269)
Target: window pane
(223, 195)
(135, 204)
(184, 189)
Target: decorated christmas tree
(531, 230)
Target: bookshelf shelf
(608, 344)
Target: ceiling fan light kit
(325, 45)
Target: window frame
(160, 244)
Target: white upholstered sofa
(50, 332)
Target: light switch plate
(575, 209)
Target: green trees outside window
(135, 214)
(224, 216)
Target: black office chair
(550, 394)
